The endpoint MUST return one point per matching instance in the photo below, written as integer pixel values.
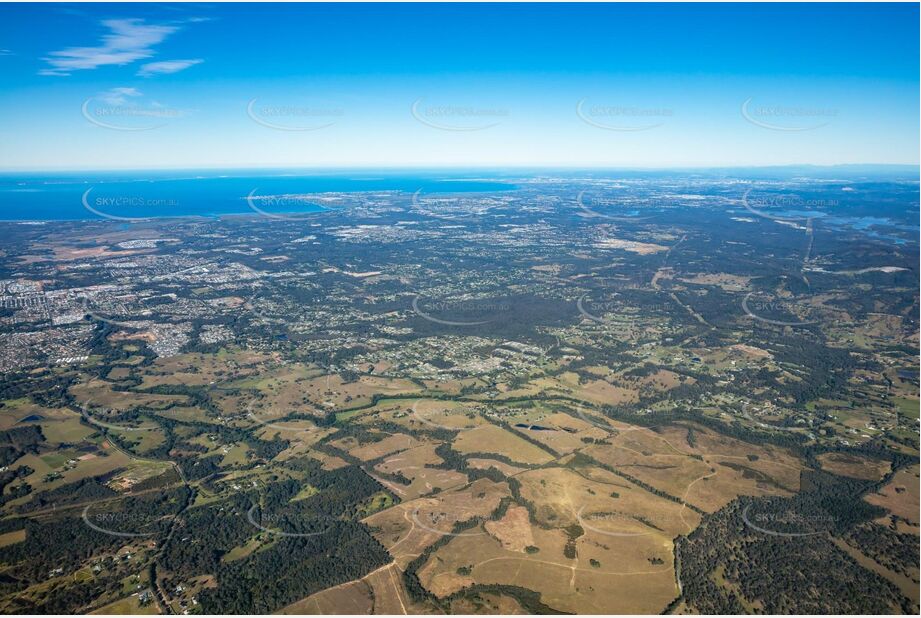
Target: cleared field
(138, 471)
(908, 406)
(428, 414)
(329, 462)
(195, 369)
(282, 389)
(11, 538)
(729, 282)
(385, 408)
(22, 412)
(130, 606)
(449, 387)
(603, 545)
(301, 434)
(141, 441)
(513, 531)
(353, 597)
(493, 439)
(378, 592)
(561, 432)
(696, 464)
(594, 580)
(230, 404)
(411, 464)
(98, 396)
(330, 392)
(664, 380)
(390, 444)
(390, 596)
(597, 499)
(501, 466)
(901, 498)
(293, 429)
(411, 526)
(64, 425)
(181, 413)
(242, 551)
(854, 466)
(597, 391)
(82, 469)
(529, 389)
(119, 373)
(652, 461)
(659, 380)
(235, 454)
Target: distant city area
(553, 391)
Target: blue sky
(110, 86)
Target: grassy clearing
(11, 538)
(128, 606)
(493, 439)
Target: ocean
(133, 195)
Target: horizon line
(478, 167)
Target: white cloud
(128, 40)
(118, 96)
(166, 67)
